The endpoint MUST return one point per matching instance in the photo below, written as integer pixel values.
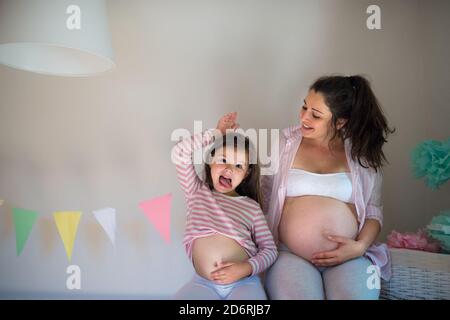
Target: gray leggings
(294, 278)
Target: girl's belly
(208, 251)
(306, 221)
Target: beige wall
(84, 144)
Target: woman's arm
(374, 213)
(368, 234)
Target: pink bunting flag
(157, 211)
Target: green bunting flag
(24, 221)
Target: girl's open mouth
(225, 182)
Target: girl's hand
(229, 272)
(348, 249)
(228, 121)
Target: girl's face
(228, 169)
(315, 117)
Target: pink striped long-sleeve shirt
(210, 212)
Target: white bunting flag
(107, 219)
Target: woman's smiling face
(315, 117)
(228, 169)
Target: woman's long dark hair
(351, 98)
(250, 185)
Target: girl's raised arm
(184, 165)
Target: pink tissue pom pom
(417, 241)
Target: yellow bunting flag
(67, 224)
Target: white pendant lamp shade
(57, 37)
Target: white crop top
(333, 185)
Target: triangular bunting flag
(157, 211)
(107, 219)
(67, 224)
(24, 221)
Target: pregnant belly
(307, 220)
(207, 251)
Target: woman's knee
(350, 281)
(293, 278)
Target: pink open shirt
(366, 194)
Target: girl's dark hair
(250, 186)
(351, 98)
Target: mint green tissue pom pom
(439, 229)
(431, 159)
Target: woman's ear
(340, 123)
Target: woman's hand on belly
(228, 272)
(347, 249)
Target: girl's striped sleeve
(182, 155)
(267, 250)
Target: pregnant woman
(323, 204)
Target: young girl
(227, 237)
